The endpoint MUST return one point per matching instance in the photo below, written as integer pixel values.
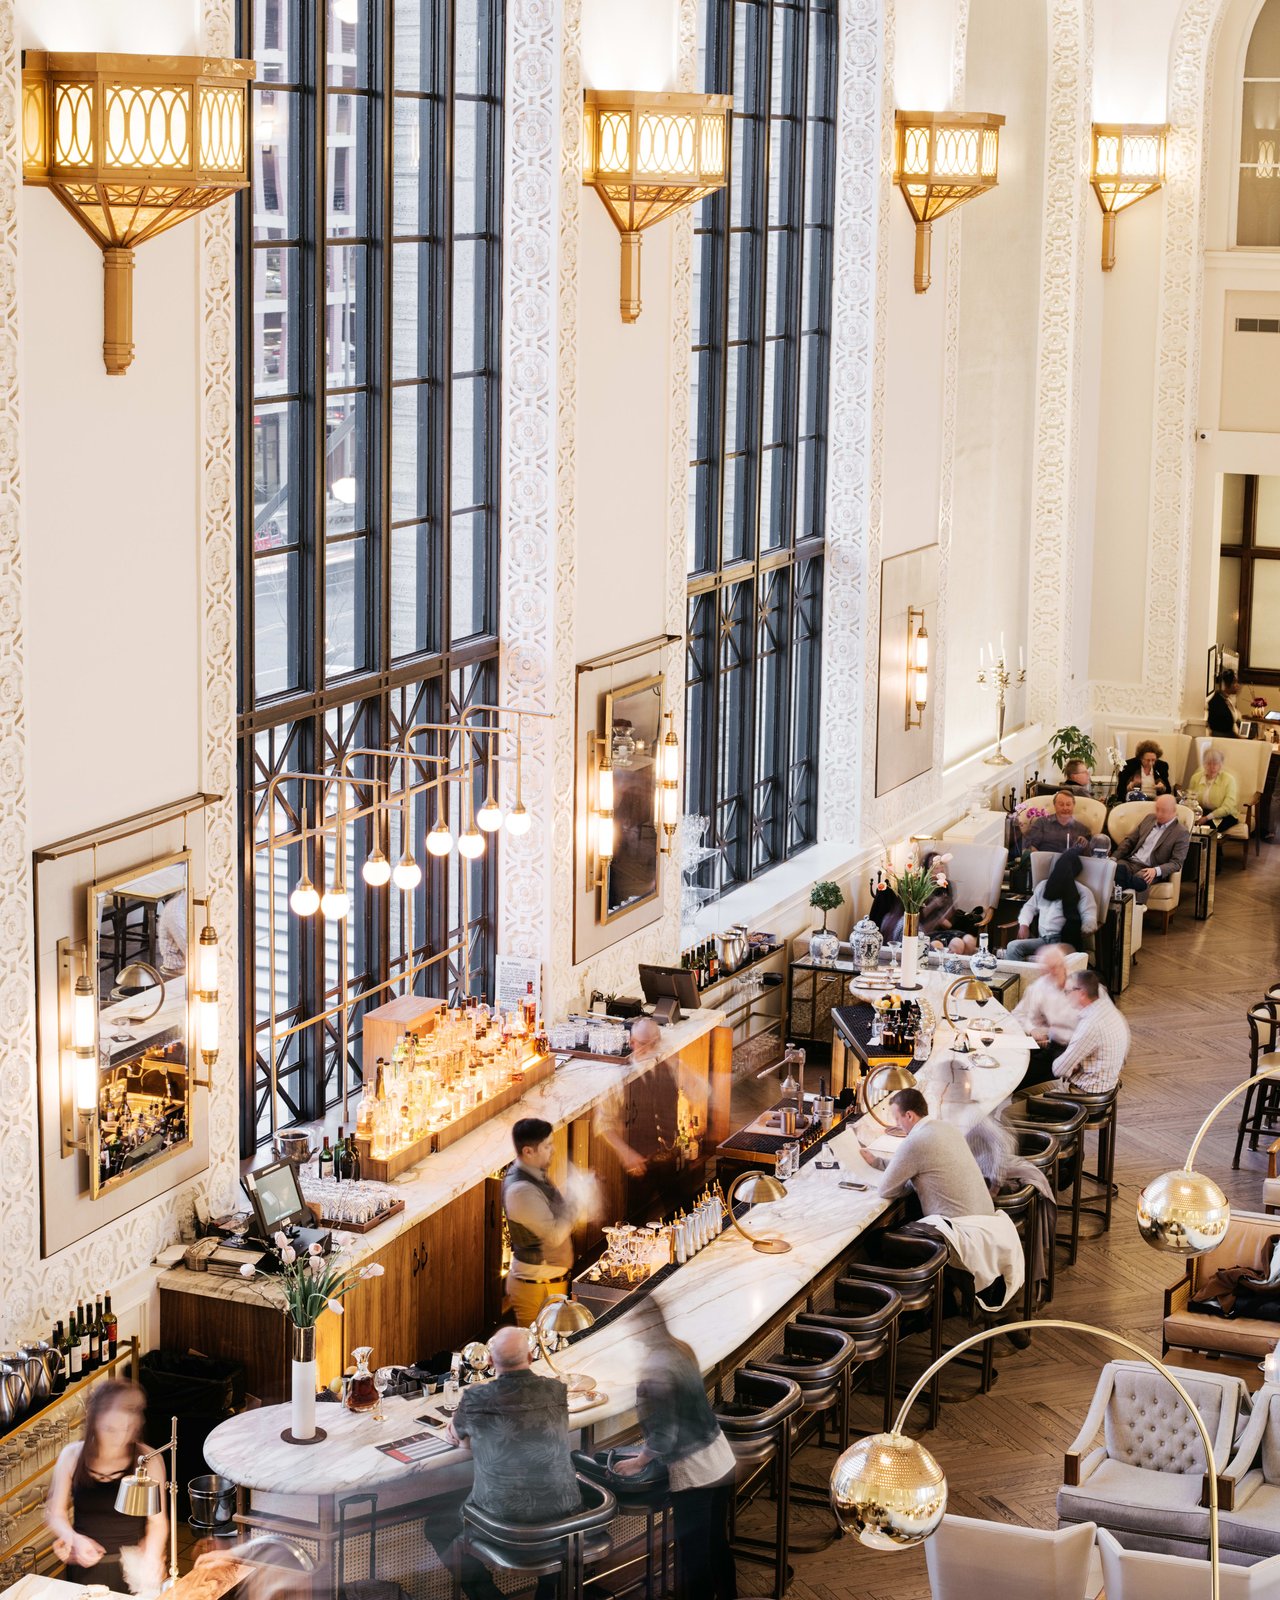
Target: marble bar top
(575, 1089)
(715, 1302)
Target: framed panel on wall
(904, 717)
(619, 857)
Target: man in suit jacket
(1154, 851)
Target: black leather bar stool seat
(868, 1313)
(1066, 1118)
(1041, 1150)
(566, 1545)
(1101, 1111)
(651, 1504)
(757, 1420)
(820, 1360)
(911, 1264)
(1260, 1112)
(1021, 1203)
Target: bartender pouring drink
(540, 1220)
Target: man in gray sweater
(935, 1160)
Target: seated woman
(1145, 774)
(939, 917)
(1220, 707)
(90, 1535)
(1214, 790)
(1065, 907)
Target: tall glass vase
(302, 1392)
(910, 948)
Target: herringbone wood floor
(1003, 1453)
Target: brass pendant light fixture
(940, 160)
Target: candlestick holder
(999, 676)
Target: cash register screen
(276, 1198)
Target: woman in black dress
(89, 1533)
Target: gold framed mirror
(141, 946)
(629, 734)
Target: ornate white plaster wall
(192, 370)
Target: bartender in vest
(540, 1220)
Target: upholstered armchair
(1162, 897)
(1250, 1531)
(1140, 1575)
(976, 874)
(1004, 1561)
(1097, 873)
(1248, 760)
(1145, 1480)
(1246, 1243)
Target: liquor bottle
(110, 1329)
(80, 1358)
(353, 1159)
(340, 1154)
(529, 1009)
(70, 1351)
(713, 964)
(95, 1334)
(382, 1129)
(325, 1163)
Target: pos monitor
(667, 989)
(276, 1199)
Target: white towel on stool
(988, 1248)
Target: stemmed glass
(381, 1382)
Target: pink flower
(288, 1255)
(248, 1270)
(939, 859)
(375, 1269)
(280, 1238)
(335, 1306)
(317, 1250)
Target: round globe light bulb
(335, 904)
(406, 874)
(888, 1490)
(471, 844)
(305, 899)
(1183, 1212)
(518, 820)
(376, 870)
(489, 816)
(440, 840)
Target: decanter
(983, 963)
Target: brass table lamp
(966, 989)
(141, 1496)
(757, 1188)
(891, 1492)
(561, 1316)
(879, 1084)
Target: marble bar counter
(442, 1276)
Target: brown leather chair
(912, 1265)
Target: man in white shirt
(1099, 1046)
(1047, 1013)
(1154, 851)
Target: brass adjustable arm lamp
(560, 1316)
(139, 1495)
(891, 1492)
(757, 1188)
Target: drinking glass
(450, 1395)
(381, 1382)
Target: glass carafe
(358, 1391)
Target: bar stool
(565, 1545)
(820, 1360)
(1041, 1151)
(1019, 1202)
(868, 1313)
(1261, 1107)
(757, 1419)
(911, 1264)
(651, 1503)
(1064, 1117)
(1101, 1109)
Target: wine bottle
(95, 1336)
(111, 1329)
(56, 1341)
(340, 1154)
(76, 1347)
(353, 1159)
(325, 1164)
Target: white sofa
(971, 1559)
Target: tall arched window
(370, 306)
(757, 488)
(1258, 206)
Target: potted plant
(312, 1283)
(826, 897)
(1070, 744)
(913, 885)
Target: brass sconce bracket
(1126, 164)
(917, 676)
(941, 159)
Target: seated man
(517, 1428)
(1077, 777)
(1099, 1044)
(1154, 851)
(935, 1160)
(1046, 1012)
(1061, 831)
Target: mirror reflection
(633, 716)
(141, 927)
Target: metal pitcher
(14, 1387)
(40, 1362)
(732, 947)
(294, 1147)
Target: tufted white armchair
(1139, 1575)
(1146, 1480)
(1251, 1529)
